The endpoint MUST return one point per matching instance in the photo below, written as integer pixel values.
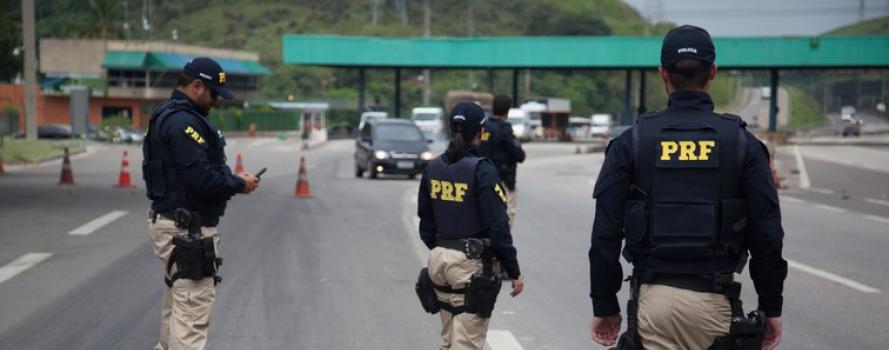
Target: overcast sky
(761, 17)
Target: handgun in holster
(195, 257)
(745, 333)
(484, 286)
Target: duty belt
(168, 214)
(719, 283)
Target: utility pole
(126, 19)
(30, 45)
(860, 10)
(471, 26)
(427, 32)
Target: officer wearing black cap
(500, 146)
(691, 192)
(463, 222)
(188, 183)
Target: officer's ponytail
(457, 147)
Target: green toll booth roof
(605, 52)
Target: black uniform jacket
(210, 184)
(764, 234)
(492, 207)
(500, 146)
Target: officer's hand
(606, 329)
(250, 182)
(518, 285)
(773, 333)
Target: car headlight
(427, 155)
(381, 154)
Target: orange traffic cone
(239, 166)
(124, 179)
(67, 176)
(302, 184)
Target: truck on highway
(600, 125)
(550, 117)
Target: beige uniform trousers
(673, 318)
(464, 331)
(511, 200)
(186, 310)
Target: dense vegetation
(259, 25)
(873, 26)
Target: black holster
(630, 340)
(745, 333)
(484, 286)
(195, 257)
(426, 292)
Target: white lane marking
(801, 166)
(503, 340)
(412, 225)
(97, 223)
(791, 199)
(260, 143)
(822, 190)
(830, 208)
(876, 201)
(21, 264)
(833, 277)
(877, 218)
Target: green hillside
(874, 26)
(258, 25)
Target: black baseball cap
(467, 118)
(687, 42)
(210, 73)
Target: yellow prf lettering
(460, 189)
(686, 150)
(668, 148)
(447, 191)
(706, 147)
(436, 188)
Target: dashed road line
(791, 199)
(833, 277)
(876, 201)
(877, 218)
(261, 142)
(21, 264)
(412, 224)
(830, 208)
(503, 340)
(97, 223)
(822, 190)
(801, 166)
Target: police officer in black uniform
(500, 146)
(189, 183)
(463, 221)
(690, 191)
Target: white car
(366, 116)
(521, 123)
(428, 118)
(600, 125)
(847, 113)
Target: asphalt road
(336, 271)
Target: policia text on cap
(691, 192)
(188, 183)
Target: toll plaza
(772, 54)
